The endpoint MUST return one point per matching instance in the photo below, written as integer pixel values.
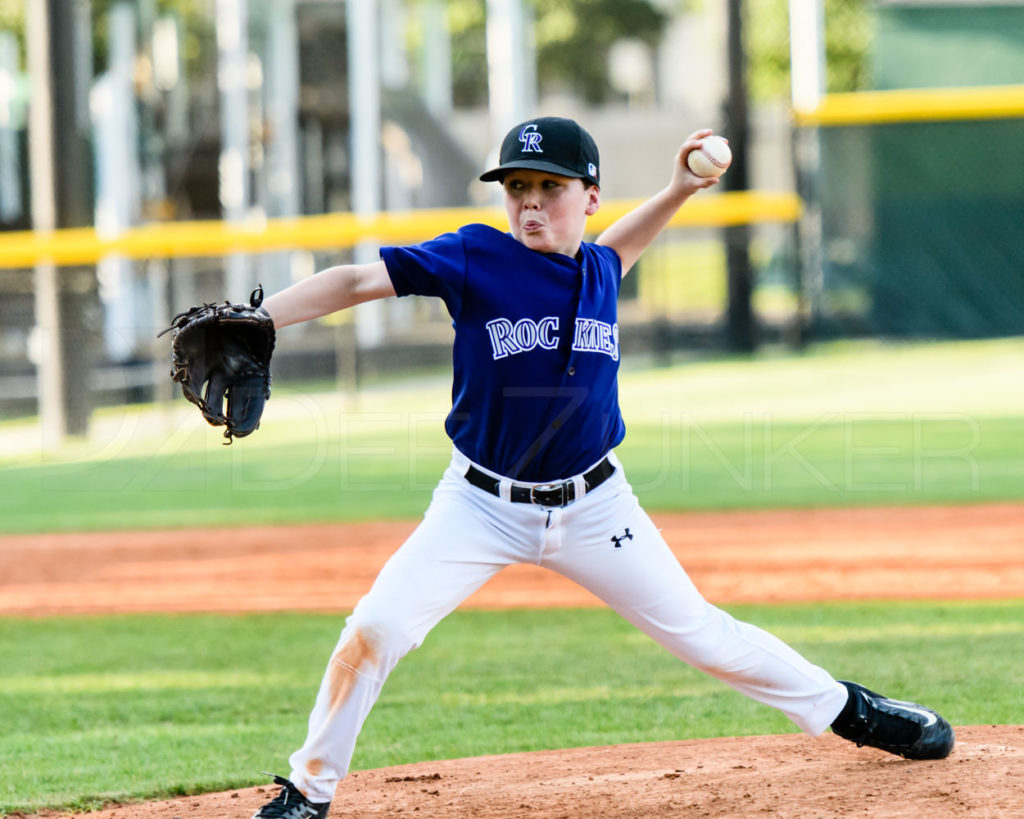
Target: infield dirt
(969, 552)
(941, 553)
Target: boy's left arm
(631, 234)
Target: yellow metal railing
(916, 105)
(80, 246)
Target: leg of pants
(457, 547)
(639, 577)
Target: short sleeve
(433, 268)
(610, 259)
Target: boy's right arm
(330, 290)
(632, 233)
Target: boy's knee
(383, 633)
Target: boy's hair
(552, 144)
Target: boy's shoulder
(488, 241)
(480, 232)
(605, 255)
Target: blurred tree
(849, 28)
(848, 32)
(572, 38)
(12, 18)
(197, 26)
(12, 14)
(468, 26)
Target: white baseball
(711, 158)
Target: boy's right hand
(684, 180)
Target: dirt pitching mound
(778, 776)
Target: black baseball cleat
(291, 804)
(902, 728)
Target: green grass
(836, 460)
(844, 425)
(677, 463)
(137, 707)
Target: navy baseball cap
(552, 144)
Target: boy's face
(548, 212)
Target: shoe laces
(288, 804)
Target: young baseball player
(533, 476)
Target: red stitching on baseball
(711, 159)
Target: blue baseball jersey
(536, 351)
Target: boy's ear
(593, 199)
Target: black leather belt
(542, 494)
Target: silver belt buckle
(548, 487)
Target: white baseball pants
(468, 535)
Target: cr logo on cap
(531, 137)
